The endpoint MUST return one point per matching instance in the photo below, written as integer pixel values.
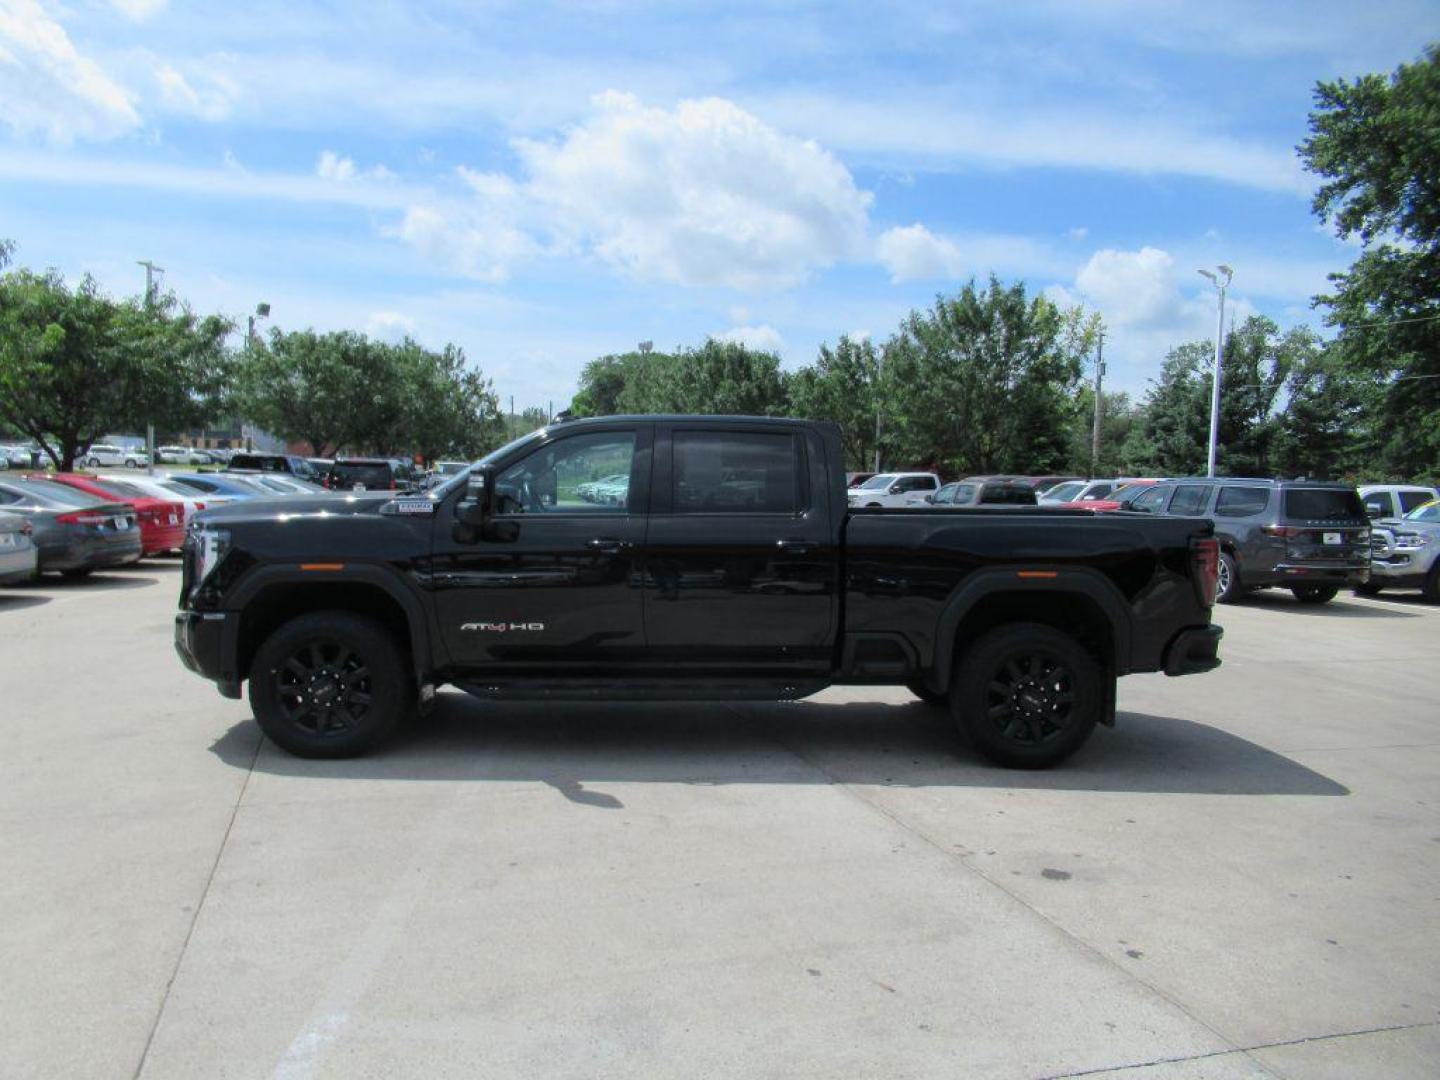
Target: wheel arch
(1079, 602)
(275, 595)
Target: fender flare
(369, 574)
(1081, 581)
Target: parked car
(1082, 491)
(1405, 553)
(182, 455)
(106, 454)
(590, 490)
(74, 533)
(161, 521)
(1307, 536)
(19, 557)
(1394, 500)
(1122, 498)
(142, 485)
(893, 489)
(15, 457)
(702, 587)
(1039, 484)
(214, 488)
(368, 474)
(284, 463)
(979, 491)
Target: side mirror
(929, 498)
(474, 506)
(1374, 510)
(894, 488)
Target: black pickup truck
(684, 558)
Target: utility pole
(1220, 278)
(151, 269)
(1099, 404)
(879, 360)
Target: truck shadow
(575, 747)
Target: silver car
(18, 554)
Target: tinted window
(881, 480)
(946, 494)
(129, 491)
(736, 472)
(964, 493)
(356, 475)
(1064, 492)
(1241, 501)
(1190, 499)
(918, 483)
(262, 462)
(1323, 504)
(587, 474)
(1100, 491)
(1152, 500)
(1411, 499)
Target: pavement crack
(199, 907)
(1244, 1050)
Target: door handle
(794, 546)
(606, 545)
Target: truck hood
(292, 507)
(1394, 525)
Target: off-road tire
(928, 696)
(1431, 589)
(1027, 696)
(330, 684)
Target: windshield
(120, 487)
(884, 480)
(1429, 512)
(47, 491)
(370, 476)
(1064, 492)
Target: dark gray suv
(1311, 538)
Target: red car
(1120, 498)
(162, 523)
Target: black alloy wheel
(330, 684)
(1314, 594)
(1028, 695)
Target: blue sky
(543, 184)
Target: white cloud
(470, 240)
(1079, 232)
(389, 325)
(764, 338)
(48, 88)
(702, 194)
(211, 100)
(1131, 288)
(138, 10)
(333, 166)
(914, 253)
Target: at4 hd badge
(503, 627)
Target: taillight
(1205, 563)
(1280, 532)
(79, 517)
(199, 506)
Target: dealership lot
(1243, 879)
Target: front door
(553, 581)
(741, 566)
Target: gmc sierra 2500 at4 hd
(685, 558)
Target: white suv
(894, 489)
(105, 454)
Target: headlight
(211, 545)
(1412, 541)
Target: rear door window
(1242, 501)
(1153, 501)
(1323, 504)
(1190, 499)
(735, 472)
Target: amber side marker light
(1037, 573)
(322, 566)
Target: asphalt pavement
(1242, 879)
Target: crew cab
(732, 568)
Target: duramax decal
(503, 627)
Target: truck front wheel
(330, 684)
(1027, 695)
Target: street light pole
(1220, 278)
(1099, 405)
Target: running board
(642, 689)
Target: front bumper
(1401, 567)
(1194, 650)
(207, 643)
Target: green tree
(1376, 144)
(1118, 419)
(1174, 431)
(718, 378)
(843, 385)
(984, 382)
(448, 409)
(75, 364)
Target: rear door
(1325, 526)
(741, 567)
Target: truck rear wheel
(330, 684)
(1027, 695)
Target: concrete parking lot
(1242, 879)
